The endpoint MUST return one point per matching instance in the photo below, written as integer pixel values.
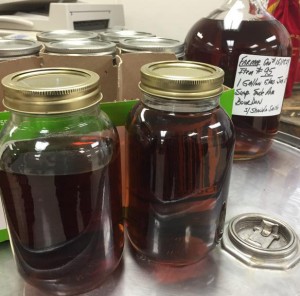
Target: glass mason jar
(179, 144)
(60, 180)
(254, 50)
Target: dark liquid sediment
(179, 170)
(222, 47)
(64, 211)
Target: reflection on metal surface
(262, 241)
(106, 288)
(288, 139)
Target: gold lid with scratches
(51, 90)
(181, 80)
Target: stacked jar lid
(117, 36)
(81, 47)
(18, 48)
(63, 35)
(75, 43)
(153, 44)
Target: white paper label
(259, 85)
(2, 219)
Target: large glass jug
(254, 50)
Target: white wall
(165, 18)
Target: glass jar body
(179, 158)
(61, 190)
(243, 27)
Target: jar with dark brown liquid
(254, 50)
(60, 180)
(179, 155)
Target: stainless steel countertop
(269, 185)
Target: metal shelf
(269, 185)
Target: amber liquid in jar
(179, 171)
(209, 42)
(64, 211)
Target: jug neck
(247, 10)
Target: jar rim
(181, 80)
(60, 35)
(51, 90)
(153, 44)
(18, 47)
(81, 47)
(118, 35)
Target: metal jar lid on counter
(262, 241)
(81, 47)
(17, 48)
(153, 44)
(62, 35)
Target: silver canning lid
(62, 35)
(262, 241)
(51, 90)
(116, 36)
(81, 47)
(18, 47)
(153, 44)
(181, 80)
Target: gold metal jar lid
(181, 80)
(51, 90)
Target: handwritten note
(259, 85)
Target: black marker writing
(245, 62)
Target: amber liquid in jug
(220, 42)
